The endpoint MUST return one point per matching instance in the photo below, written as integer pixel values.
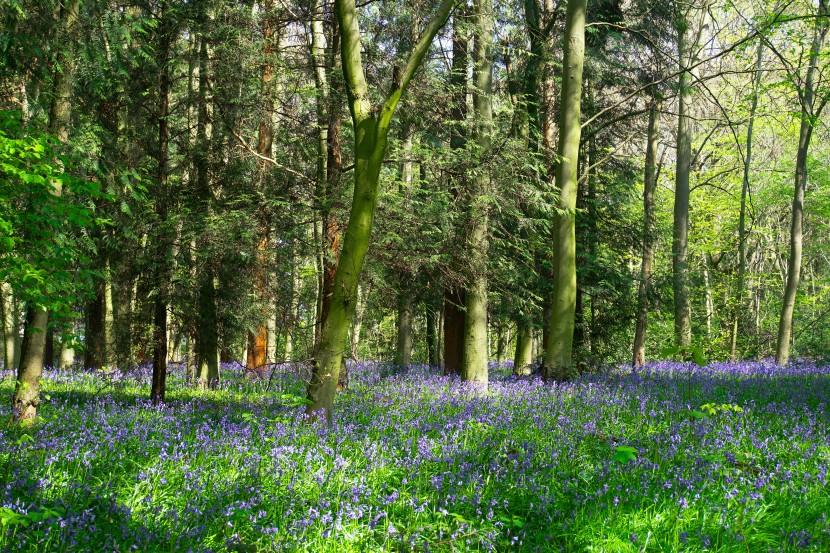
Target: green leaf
(698, 357)
(697, 415)
(669, 351)
(624, 454)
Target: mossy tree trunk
(371, 129)
(33, 348)
(810, 111)
(559, 351)
(690, 26)
(650, 187)
(474, 359)
(524, 349)
(453, 327)
(11, 326)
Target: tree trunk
(371, 129)
(357, 325)
(687, 45)
(432, 336)
(293, 305)
(500, 343)
(158, 386)
(474, 360)
(524, 349)
(649, 189)
(453, 295)
(95, 337)
(329, 160)
(66, 356)
(742, 233)
(809, 116)
(27, 387)
(258, 339)
(709, 300)
(559, 353)
(11, 326)
(207, 334)
(403, 349)
(453, 331)
(49, 349)
(109, 317)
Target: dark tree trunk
(159, 382)
(95, 342)
(453, 331)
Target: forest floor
(732, 457)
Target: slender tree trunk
(273, 331)
(406, 299)
(258, 339)
(809, 115)
(742, 233)
(474, 360)
(453, 295)
(95, 336)
(524, 349)
(110, 357)
(453, 331)
(158, 386)
(500, 343)
(294, 303)
(649, 189)
(403, 349)
(371, 129)
(329, 160)
(11, 326)
(320, 63)
(710, 302)
(66, 356)
(207, 335)
(357, 325)
(559, 352)
(49, 349)
(432, 336)
(27, 387)
(687, 46)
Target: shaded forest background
(205, 151)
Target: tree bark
(742, 233)
(559, 353)
(66, 356)
(809, 115)
(524, 349)
(11, 327)
(370, 138)
(207, 334)
(94, 337)
(687, 46)
(158, 386)
(454, 295)
(403, 349)
(258, 339)
(649, 189)
(475, 357)
(432, 336)
(453, 330)
(30, 370)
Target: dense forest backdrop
(199, 181)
